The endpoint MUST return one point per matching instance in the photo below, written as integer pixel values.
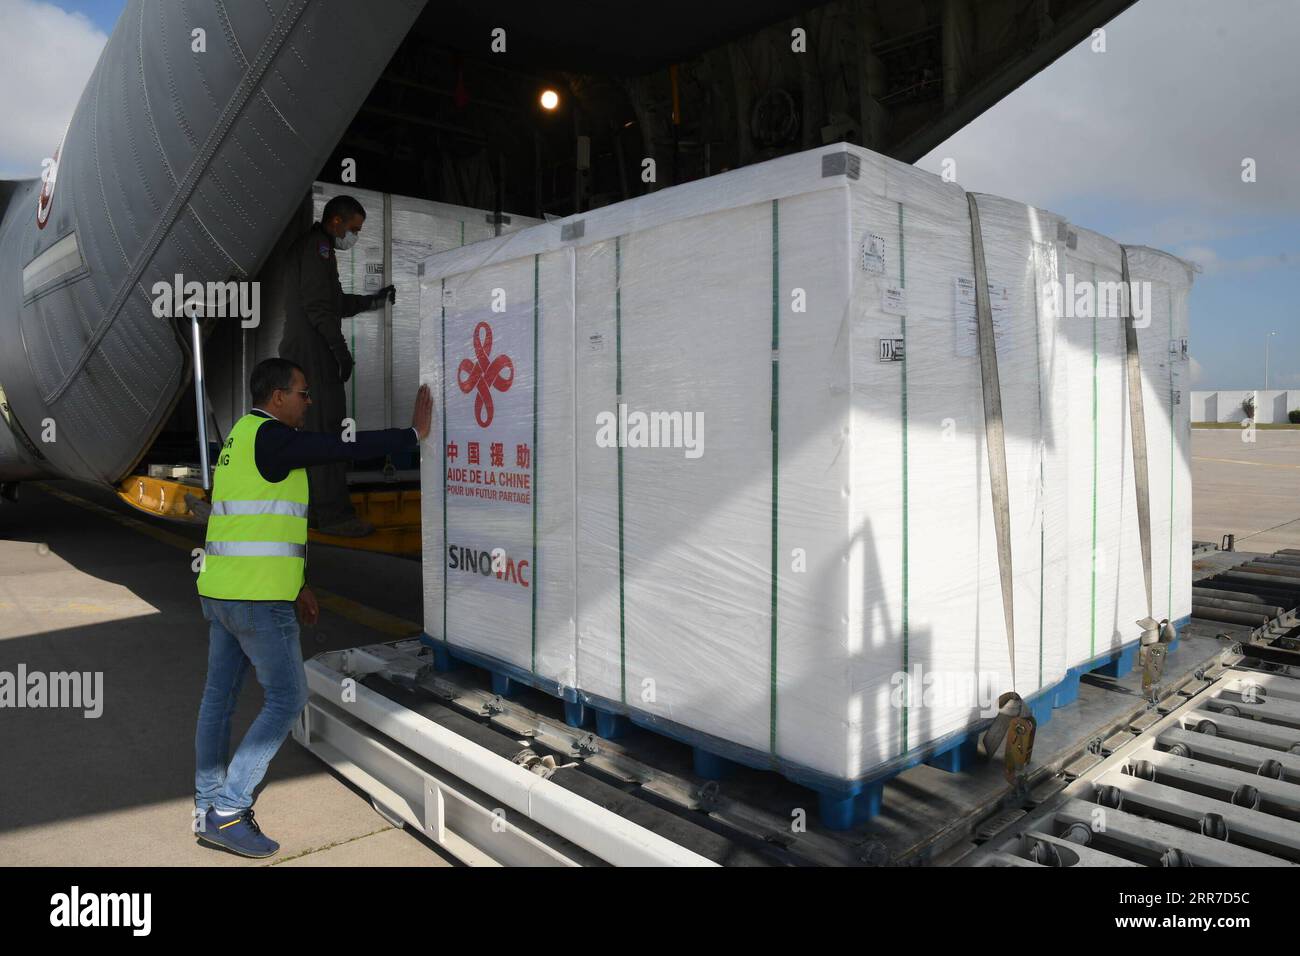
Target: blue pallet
(841, 809)
(842, 804)
(507, 679)
(1116, 662)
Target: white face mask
(348, 240)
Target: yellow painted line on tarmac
(1239, 461)
(366, 616)
(354, 611)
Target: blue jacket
(279, 449)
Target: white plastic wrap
(763, 588)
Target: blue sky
(102, 13)
(1142, 142)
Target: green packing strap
(775, 410)
(618, 398)
(906, 556)
(442, 337)
(534, 460)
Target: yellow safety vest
(257, 531)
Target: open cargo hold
(400, 232)
(816, 520)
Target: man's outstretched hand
(422, 417)
(388, 292)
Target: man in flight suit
(313, 339)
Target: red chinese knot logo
(482, 375)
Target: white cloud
(46, 57)
(1212, 263)
(1185, 91)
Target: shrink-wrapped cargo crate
(716, 459)
(1107, 591)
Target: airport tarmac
(87, 584)
(1250, 489)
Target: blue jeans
(265, 634)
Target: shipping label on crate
(374, 276)
(893, 300)
(964, 318)
(489, 456)
(873, 253)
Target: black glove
(388, 292)
(345, 366)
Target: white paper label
(596, 342)
(893, 300)
(873, 254)
(964, 317)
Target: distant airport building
(1225, 405)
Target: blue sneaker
(239, 834)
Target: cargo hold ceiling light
(549, 99)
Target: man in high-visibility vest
(253, 588)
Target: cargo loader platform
(1213, 782)
(394, 511)
(930, 814)
(841, 804)
(927, 810)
